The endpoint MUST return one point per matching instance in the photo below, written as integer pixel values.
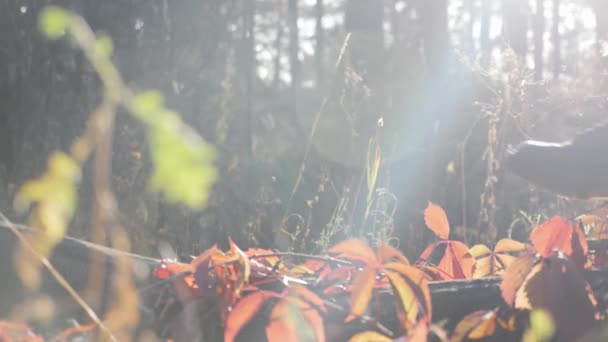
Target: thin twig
(60, 279)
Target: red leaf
(457, 262)
(354, 249)
(555, 233)
(244, 311)
(363, 285)
(437, 221)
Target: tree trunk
(557, 44)
(320, 45)
(515, 25)
(294, 50)
(539, 30)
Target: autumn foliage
(315, 297)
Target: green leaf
(53, 22)
(145, 105)
(542, 324)
(104, 47)
(183, 169)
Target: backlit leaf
(476, 325)
(555, 233)
(480, 250)
(244, 311)
(406, 301)
(355, 250)
(387, 252)
(245, 271)
(417, 280)
(437, 221)
(295, 320)
(514, 277)
(509, 246)
(363, 285)
(307, 295)
(457, 262)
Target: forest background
(331, 118)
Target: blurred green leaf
(104, 47)
(145, 105)
(53, 22)
(55, 194)
(183, 162)
(542, 324)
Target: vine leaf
(554, 284)
(295, 319)
(409, 284)
(363, 284)
(437, 220)
(457, 262)
(244, 311)
(558, 233)
(475, 326)
(354, 249)
(495, 262)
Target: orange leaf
(307, 295)
(295, 320)
(417, 280)
(457, 262)
(514, 277)
(509, 246)
(476, 325)
(484, 267)
(244, 311)
(589, 219)
(480, 250)
(555, 233)
(368, 336)
(245, 271)
(363, 285)
(387, 252)
(494, 262)
(354, 249)
(437, 221)
(407, 303)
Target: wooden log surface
(452, 300)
